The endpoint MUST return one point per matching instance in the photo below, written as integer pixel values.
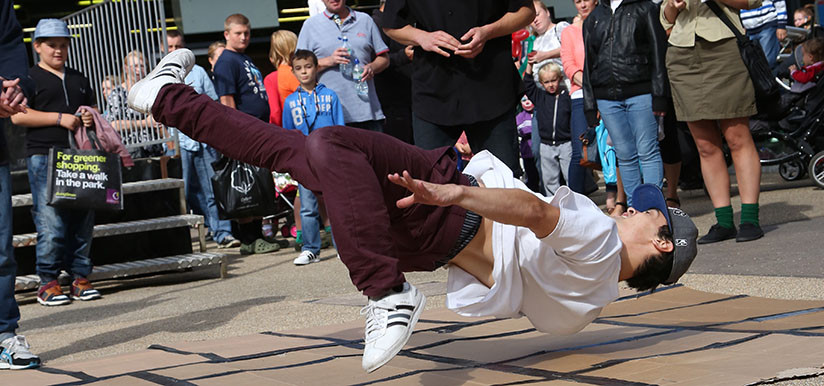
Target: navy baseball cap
(51, 28)
(684, 231)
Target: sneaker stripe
(404, 307)
(398, 323)
(394, 316)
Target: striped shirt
(770, 14)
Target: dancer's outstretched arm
(509, 206)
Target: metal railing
(115, 43)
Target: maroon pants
(376, 240)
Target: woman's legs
(744, 157)
(713, 166)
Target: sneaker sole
(87, 297)
(140, 87)
(54, 303)
(8, 366)
(306, 263)
(412, 323)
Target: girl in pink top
(572, 57)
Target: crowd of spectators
(645, 70)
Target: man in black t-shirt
(64, 236)
(463, 77)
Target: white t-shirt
(561, 282)
(550, 40)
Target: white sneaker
(389, 323)
(306, 257)
(15, 354)
(172, 69)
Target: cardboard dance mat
(676, 336)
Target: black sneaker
(717, 233)
(748, 232)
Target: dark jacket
(553, 128)
(624, 55)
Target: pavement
(268, 293)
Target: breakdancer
(396, 208)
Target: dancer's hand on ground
(424, 192)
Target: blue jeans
(634, 132)
(309, 220)
(197, 178)
(9, 312)
(769, 42)
(498, 135)
(580, 178)
(64, 236)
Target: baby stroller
(795, 141)
(285, 189)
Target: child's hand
(793, 67)
(87, 118)
(70, 122)
(535, 57)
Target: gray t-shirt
(321, 35)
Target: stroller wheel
(816, 169)
(792, 170)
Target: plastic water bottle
(346, 68)
(357, 74)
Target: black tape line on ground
(159, 379)
(584, 346)
(480, 337)
(711, 346)
(238, 371)
(81, 376)
(212, 357)
(708, 328)
(675, 308)
(647, 293)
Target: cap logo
(679, 212)
(681, 242)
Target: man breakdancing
(512, 253)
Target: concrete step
(19, 200)
(114, 229)
(133, 268)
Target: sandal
(676, 202)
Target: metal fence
(115, 44)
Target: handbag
(84, 179)
(242, 190)
(766, 87)
(589, 152)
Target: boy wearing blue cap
(64, 236)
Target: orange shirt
(287, 83)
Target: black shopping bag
(242, 190)
(84, 179)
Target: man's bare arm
(509, 206)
